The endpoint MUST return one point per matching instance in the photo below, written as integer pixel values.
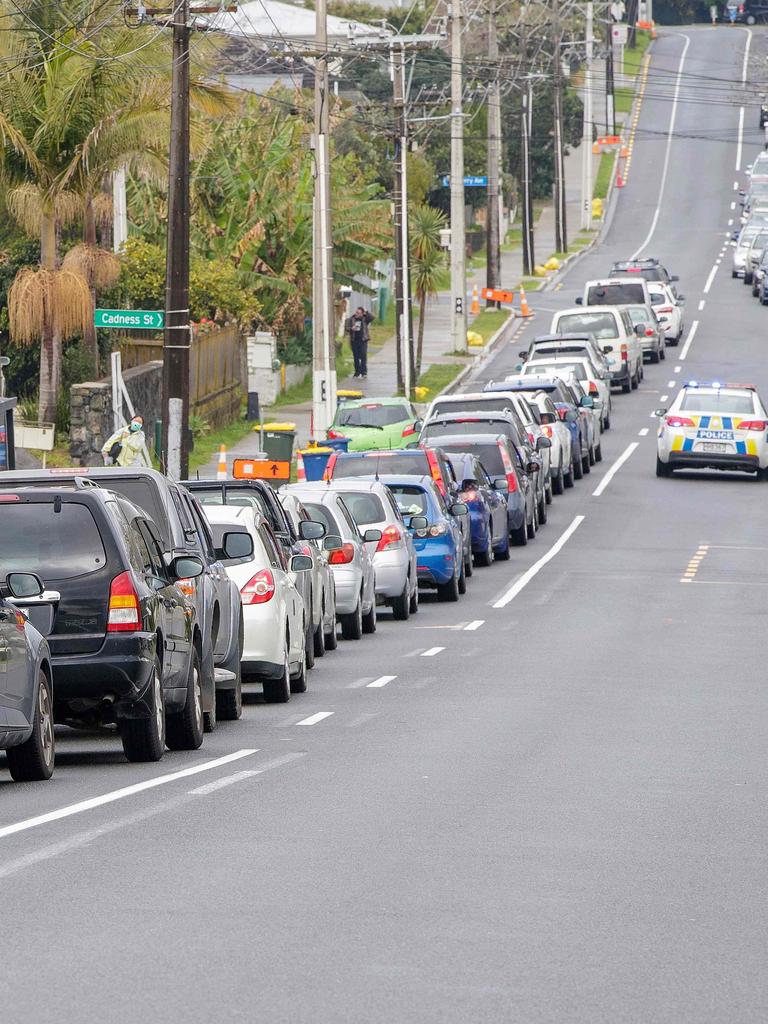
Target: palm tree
(427, 261)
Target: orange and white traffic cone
(301, 473)
(221, 469)
(524, 308)
(475, 307)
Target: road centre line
(431, 652)
(381, 681)
(671, 383)
(662, 399)
(689, 339)
(511, 593)
(614, 469)
(710, 279)
(643, 432)
(678, 369)
(702, 304)
(670, 136)
(314, 719)
(733, 207)
(228, 780)
(472, 626)
(735, 185)
(746, 58)
(740, 138)
(121, 794)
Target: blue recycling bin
(339, 444)
(315, 460)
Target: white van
(616, 291)
(612, 329)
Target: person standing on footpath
(359, 336)
(125, 446)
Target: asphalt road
(556, 816)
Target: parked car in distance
(350, 558)
(487, 509)
(372, 506)
(373, 423)
(669, 310)
(652, 334)
(613, 331)
(26, 682)
(559, 435)
(616, 291)
(125, 642)
(648, 267)
(274, 616)
(588, 377)
(569, 344)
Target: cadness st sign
(130, 319)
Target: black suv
(125, 643)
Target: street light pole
(458, 242)
(402, 250)
(177, 336)
(586, 139)
(493, 232)
(561, 228)
(529, 257)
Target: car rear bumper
(391, 572)
(436, 563)
(713, 460)
(348, 585)
(263, 634)
(621, 376)
(119, 672)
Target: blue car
(487, 508)
(436, 532)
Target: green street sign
(130, 319)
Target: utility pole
(610, 95)
(323, 351)
(402, 248)
(526, 103)
(586, 138)
(119, 210)
(177, 336)
(458, 242)
(493, 232)
(561, 228)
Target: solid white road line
(691, 333)
(431, 652)
(614, 469)
(314, 719)
(228, 780)
(529, 574)
(710, 279)
(746, 57)
(643, 432)
(670, 136)
(120, 794)
(740, 138)
(381, 681)
(471, 626)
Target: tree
(427, 261)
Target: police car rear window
(696, 401)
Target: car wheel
(530, 529)
(542, 511)
(634, 382)
(591, 456)
(318, 639)
(747, 279)
(401, 605)
(734, 273)
(229, 703)
(299, 680)
(569, 478)
(626, 388)
(519, 536)
(501, 553)
(32, 760)
(369, 619)
(578, 468)
(484, 558)
(468, 564)
(352, 624)
(586, 465)
(144, 738)
(558, 482)
(662, 468)
(462, 580)
(184, 729)
(663, 352)
(656, 356)
(599, 452)
(278, 691)
(210, 717)
(309, 643)
(548, 491)
(331, 639)
(448, 591)
(415, 600)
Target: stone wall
(90, 409)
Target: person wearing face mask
(125, 446)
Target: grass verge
(488, 321)
(604, 173)
(633, 59)
(438, 376)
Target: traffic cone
(221, 470)
(300, 471)
(475, 307)
(524, 308)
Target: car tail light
(259, 589)
(434, 470)
(390, 538)
(531, 438)
(664, 309)
(624, 349)
(343, 555)
(4, 498)
(123, 615)
(469, 495)
(593, 388)
(649, 332)
(334, 435)
(305, 549)
(752, 425)
(329, 466)
(678, 421)
(509, 470)
(546, 430)
(438, 530)
(409, 431)
(561, 411)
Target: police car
(713, 426)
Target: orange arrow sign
(495, 295)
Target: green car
(374, 424)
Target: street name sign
(470, 181)
(130, 319)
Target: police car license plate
(711, 447)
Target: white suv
(612, 329)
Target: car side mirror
(548, 417)
(674, 277)
(417, 425)
(310, 530)
(24, 584)
(681, 298)
(659, 412)
(372, 536)
(532, 467)
(332, 542)
(418, 523)
(459, 508)
(501, 484)
(586, 402)
(607, 349)
(542, 443)
(188, 567)
(580, 301)
(640, 330)
(523, 354)
(235, 545)
(571, 416)
(300, 563)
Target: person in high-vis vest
(124, 447)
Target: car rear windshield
(371, 415)
(412, 501)
(320, 514)
(490, 404)
(364, 508)
(243, 499)
(467, 426)
(697, 401)
(578, 370)
(599, 325)
(382, 462)
(487, 452)
(648, 273)
(615, 294)
(56, 545)
(638, 314)
(147, 497)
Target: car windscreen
(486, 451)
(364, 508)
(490, 404)
(467, 426)
(717, 402)
(412, 501)
(659, 298)
(56, 545)
(371, 416)
(615, 294)
(599, 325)
(382, 462)
(147, 497)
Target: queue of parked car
(142, 605)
